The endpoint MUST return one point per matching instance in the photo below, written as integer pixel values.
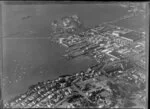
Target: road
(63, 100)
(80, 92)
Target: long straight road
(80, 92)
(60, 102)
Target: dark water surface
(28, 55)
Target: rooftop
(132, 35)
(116, 54)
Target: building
(115, 55)
(127, 38)
(132, 36)
(115, 33)
(121, 41)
